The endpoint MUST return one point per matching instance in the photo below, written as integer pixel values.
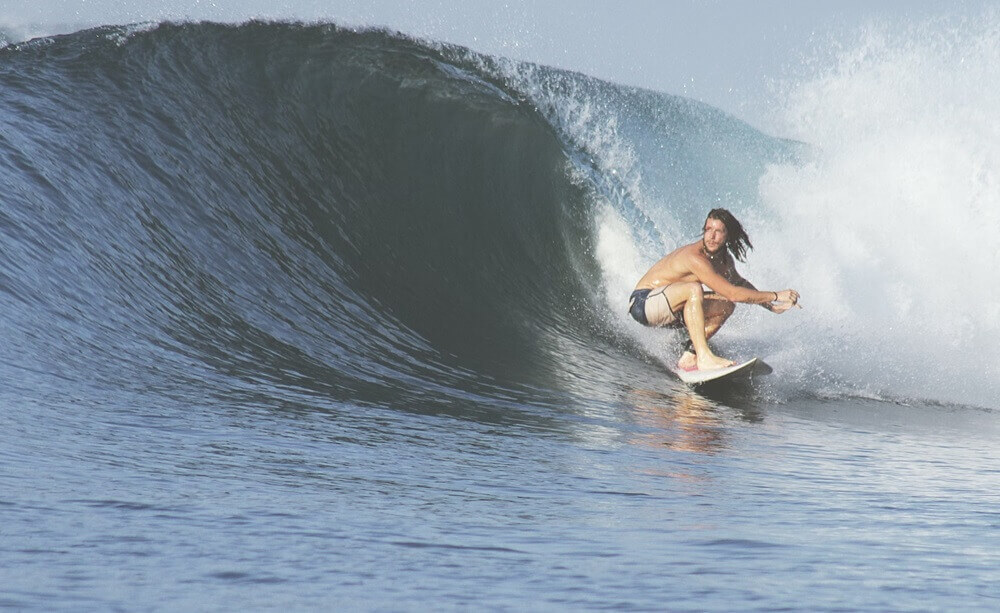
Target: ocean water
(302, 317)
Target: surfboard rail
(737, 371)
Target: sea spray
(890, 231)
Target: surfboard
(737, 371)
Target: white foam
(622, 264)
(892, 232)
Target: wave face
(307, 209)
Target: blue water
(301, 318)
(667, 500)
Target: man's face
(715, 235)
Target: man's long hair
(737, 241)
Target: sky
(729, 54)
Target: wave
(311, 206)
(355, 214)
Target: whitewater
(299, 316)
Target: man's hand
(786, 300)
(781, 307)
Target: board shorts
(650, 307)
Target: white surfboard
(737, 371)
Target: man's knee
(719, 305)
(695, 292)
(718, 311)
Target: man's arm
(775, 307)
(738, 280)
(707, 275)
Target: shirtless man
(671, 295)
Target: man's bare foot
(688, 361)
(713, 361)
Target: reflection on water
(686, 420)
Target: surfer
(672, 295)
